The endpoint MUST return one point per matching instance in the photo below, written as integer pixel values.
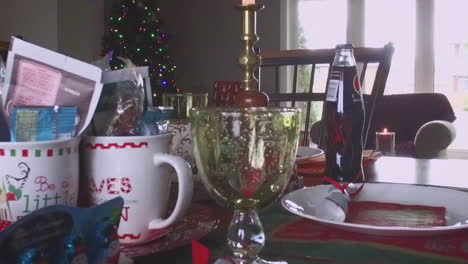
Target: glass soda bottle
(344, 111)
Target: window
(313, 16)
(430, 39)
(380, 28)
(451, 60)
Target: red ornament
(4, 224)
(11, 196)
(252, 180)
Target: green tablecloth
(301, 241)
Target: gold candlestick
(249, 60)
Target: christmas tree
(134, 32)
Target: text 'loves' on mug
(134, 168)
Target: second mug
(136, 169)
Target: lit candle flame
(385, 130)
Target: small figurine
(32, 256)
(75, 252)
(107, 242)
(64, 235)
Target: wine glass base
(230, 260)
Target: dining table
(298, 240)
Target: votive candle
(385, 142)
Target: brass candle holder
(249, 60)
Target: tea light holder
(183, 102)
(385, 142)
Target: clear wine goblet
(245, 157)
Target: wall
(36, 21)
(205, 39)
(71, 27)
(205, 35)
(80, 28)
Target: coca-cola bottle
(344, 111)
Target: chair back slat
(298, 97)
(309, 105)
(363, 74)
(294, 86)
(312, 78)
(378, 88)
(363, 55)
(321, 138)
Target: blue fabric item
(155, 121)
(42, 123)
(32, 124)
(65, 122)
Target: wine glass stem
(245, 236)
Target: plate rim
(365, 228)
(320, 152)
(211, 218)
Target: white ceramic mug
(34, 175)
(132, 167)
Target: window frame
(355, 34)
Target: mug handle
(184, 196)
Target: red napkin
(200, 254)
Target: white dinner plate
(304, 201)
(307, 152)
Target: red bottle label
(356, 84)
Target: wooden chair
(364, 56)
(4, 47)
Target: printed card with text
(38, 77)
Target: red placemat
(304, 231)
(393, 214)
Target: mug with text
(34, 175)
(135, 168)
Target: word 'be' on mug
(131, 167)
(34, 175)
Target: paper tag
(37, 85)
(333, 87)
(336, 81)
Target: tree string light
(135, 33)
